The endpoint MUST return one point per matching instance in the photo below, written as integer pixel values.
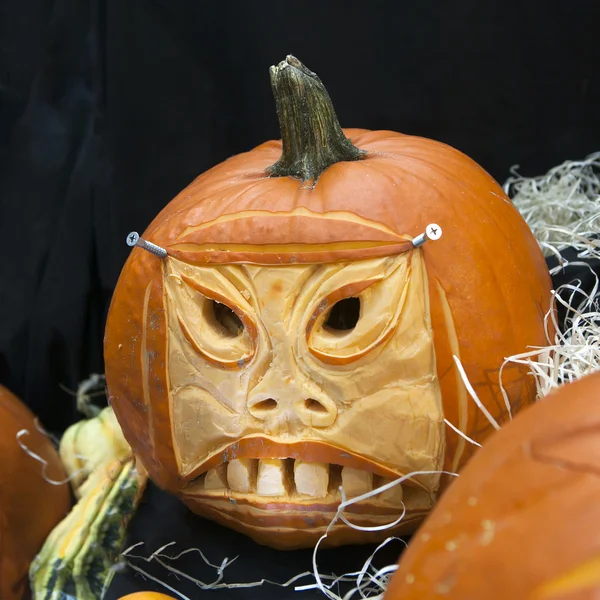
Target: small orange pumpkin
(230, 349)
(146, 596)
(522, 520)
(30, 507)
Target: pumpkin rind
(522, 520)
(29, 505)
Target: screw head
(132, 238)
(433, 231)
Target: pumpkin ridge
(508, 232)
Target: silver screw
(432, 232)
(134, 239)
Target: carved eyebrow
(285, 254)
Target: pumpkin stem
(310, 131)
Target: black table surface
(162, 519)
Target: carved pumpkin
(522, 520)
(29, 506)
(294, 339)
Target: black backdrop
(109, 107)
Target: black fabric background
(109, 107)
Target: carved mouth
(263, 447)
(260, 487)
(259, 469)
(292, 480)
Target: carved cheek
(200, 417)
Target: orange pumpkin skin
(146, 596)
(522, 520)
(30, 507)
(488, 281)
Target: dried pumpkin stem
(310, 131)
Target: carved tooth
(216, 479)
(312, 479)
(356, 482)
(392, 496)
(241, 474)
(418, 499)
(271, 480)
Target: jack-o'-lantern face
(276, 356)
(294, 341)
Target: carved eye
(352, 321)
(220, 333)
(343, 315)
(225, 321)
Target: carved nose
(310, 411)
(263, 408)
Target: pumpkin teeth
(272, 477)
(311, 479)
(418, 499)
(392, 496)
(289, 478)
(216, 479)
(356, 482)
(241, 474)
